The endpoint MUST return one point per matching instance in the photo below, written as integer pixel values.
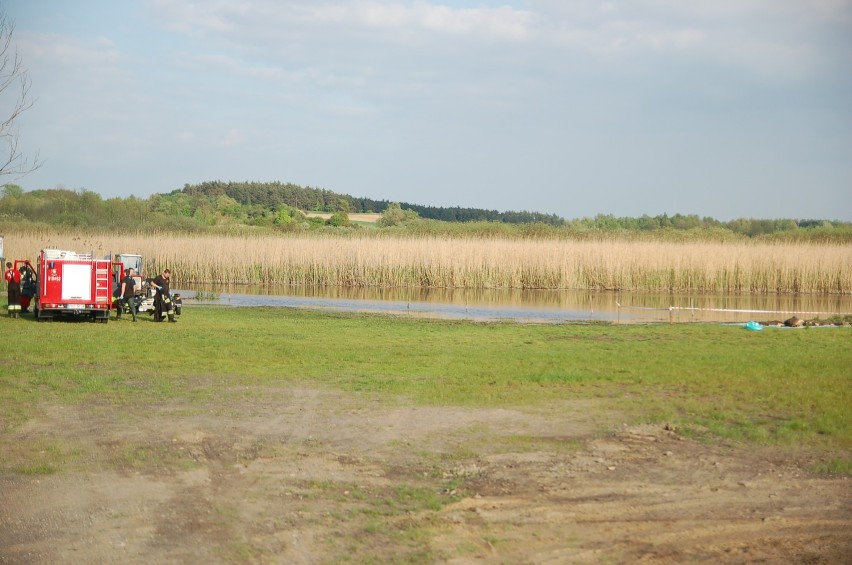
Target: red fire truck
(72, 284)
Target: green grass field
(791, 387)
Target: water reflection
(537, 305)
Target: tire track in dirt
(297, 476)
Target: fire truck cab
(128, 261)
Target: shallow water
(536, 305)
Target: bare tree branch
(14, 85)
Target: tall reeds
(499, 263)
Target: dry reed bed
(367, 260)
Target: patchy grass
(836, 466)
(41, 455)
(217, 397)
(786, 387)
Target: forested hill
(275, 194)
(278, 206)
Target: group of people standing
(21, 287)
(164, 304)
(13, 287)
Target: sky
(727, 109)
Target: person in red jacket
(13, 288)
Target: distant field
(352, 217)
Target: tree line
(230, 205)
(275, 194)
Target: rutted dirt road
(311, 476)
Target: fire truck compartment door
(76, 282)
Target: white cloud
(391, 16)
(234, 66)
(810, 11)
(93, 73)
(772, 37)
(232, 138)
(67, 51)
(675, 39)
(504, 22)
(776, 39)
(193, 17)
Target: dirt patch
(310, 476)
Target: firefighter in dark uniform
(28, 287)
(127, 295)
(13, 288)
(163, 298)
